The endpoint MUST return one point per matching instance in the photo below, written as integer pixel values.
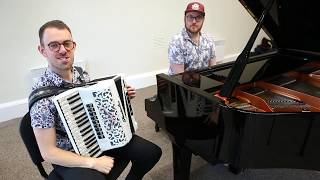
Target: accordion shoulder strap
(48, 91)
(44, 92)
(80, 71)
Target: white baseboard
(145, 79)
(18, 108)
(13, 109)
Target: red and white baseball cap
(195, 6)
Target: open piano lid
(284, 21)
(291, 24)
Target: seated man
(191, 49)
(57, 46)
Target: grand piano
(261, 111)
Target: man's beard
(192, 31)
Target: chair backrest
(29, 140)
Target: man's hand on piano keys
(131, 91)
(103, 164)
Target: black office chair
(30, 142)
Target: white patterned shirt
(43, 112)
(182, 50)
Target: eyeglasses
(190, 18)
(55, 46)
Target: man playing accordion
(58, 47)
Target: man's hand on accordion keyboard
(103, 164)
(131, 91)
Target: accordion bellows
(97, 117)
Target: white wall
(112, 36)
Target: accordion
(97, 117)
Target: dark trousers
(143, 155)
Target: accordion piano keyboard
(79, 126)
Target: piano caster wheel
(156, 128)
(234, 170)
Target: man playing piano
(57, 46)
(191, 49)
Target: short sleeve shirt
(182, 50)
(43, 112)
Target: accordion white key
(97, 117)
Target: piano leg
(181, 162)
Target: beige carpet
(15, 163)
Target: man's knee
(152, 154)
(148, 150)
(157, 152)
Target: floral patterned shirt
(182, 50)
(43, 112)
